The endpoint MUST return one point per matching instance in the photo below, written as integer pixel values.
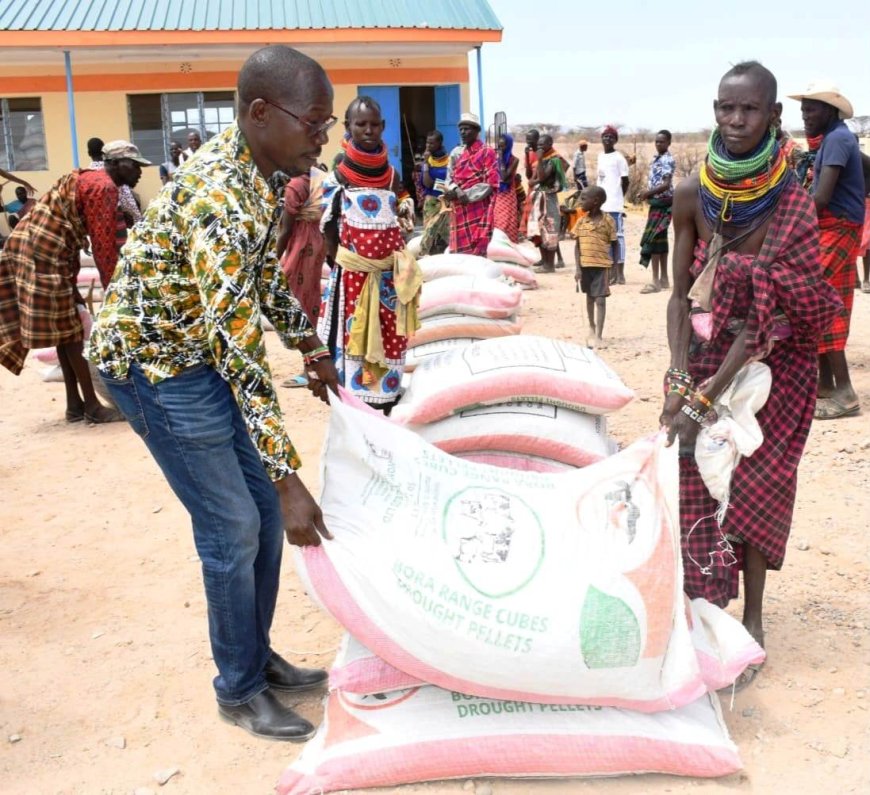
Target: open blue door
(447, 105)
(388, 98)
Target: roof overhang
(74, 39)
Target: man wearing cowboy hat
(472, 178)
(838, 192)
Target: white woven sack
(558, 588)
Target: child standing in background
(597, 244)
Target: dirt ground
(102, 616)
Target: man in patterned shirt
(180, 345)
(660, 195)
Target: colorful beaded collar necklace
(736, 191)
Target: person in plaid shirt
(38, 267)
(180, 346)
(769, 303)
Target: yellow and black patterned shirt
(192, 282)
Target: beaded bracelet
(703, 399)
(675, 373)
(674, 388)
(316, 355)
(692, 414)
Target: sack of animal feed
(416, 356)
(413, 245)
(521, 461)
(530, 428)
(501, 249)
(439, 266)
(469, 295)
(723, 647)
(556, 588)
(426, 734)
(455, 325)
(523, 276)
(519, 368)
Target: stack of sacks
(518, 258)
(464, 299)
(522, 402)
(508, 623)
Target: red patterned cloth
(505, 213)
(840, 242)
(471, 225)
(302, 262)
(785, 277)
(97, 203)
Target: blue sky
(657, 65)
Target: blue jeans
(192, 426)
(620, 236)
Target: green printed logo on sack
(494, 538)
(609, 632)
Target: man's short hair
(436, 133)
(279, 73)
(95, 148)
(666, 133)
(761, 73)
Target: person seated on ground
(595, 232)
(45, 249)
(22, 205)
(5, 175)
(748, 286)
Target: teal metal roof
(187, 15)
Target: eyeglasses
(314, 130)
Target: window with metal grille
(22, 135)
(157, 119)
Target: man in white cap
(472, 178)
(838, 192)
(39, 301)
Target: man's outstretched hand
(303, 519)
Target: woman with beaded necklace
(747, 286)
(370, 304)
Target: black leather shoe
(265, 716)
(289, 679)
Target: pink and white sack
(554, 588)
(501, 249)
(519, 368)
(439, 266)
(426, 734)
(469, 295)
(528, 428)
(723, 647)
(455, 325)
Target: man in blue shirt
(838, 192)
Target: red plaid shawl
(786, 276)
(471, 226)
(38, 267)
